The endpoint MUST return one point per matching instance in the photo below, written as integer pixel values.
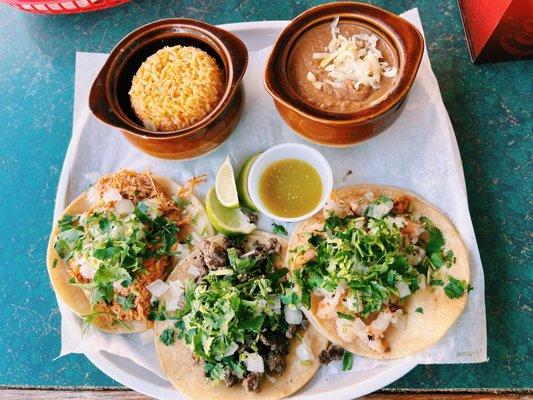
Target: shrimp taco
(381, 272)
(115, 240)
(226, 331)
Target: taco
(227, 334)
(381, 272)
(114, 243)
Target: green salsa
(290, 188)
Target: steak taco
(227, 333)
(381, 272)
(116, 240)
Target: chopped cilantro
(368, 256)
(167, 337)
(420, 310)
(240, 265)
(54, 264)
(116, 247)
(127, 302)
(456, 288)
(279, 229)
(67, 222)
(435, 242)
(232, 308)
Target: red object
(498, 30)
(62, 7)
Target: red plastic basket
(62, 7)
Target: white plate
(257, 35)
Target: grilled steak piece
(331, 353)
(275, 362)
(214, 255)
(230, 378)
(252, 381)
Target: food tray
(256, 35)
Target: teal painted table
(489, 105)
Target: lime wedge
(229, 221)
(242, 183)
(225, 185)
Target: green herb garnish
(456, 288)
(347, 361)
(371, 260)
(279, 229)
(228, 308)
(167, 336)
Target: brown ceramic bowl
(344, 129)
(110, 103)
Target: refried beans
(326, 87)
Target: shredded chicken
(154, 270)
(136, 187)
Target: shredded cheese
(355, 59)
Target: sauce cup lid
(290, 151)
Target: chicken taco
(227, 332)
(117, 238)
(381, 272)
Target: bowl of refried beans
(339, 74)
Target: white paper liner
(418, 152)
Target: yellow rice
(176, 87)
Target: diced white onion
(157, 287)
(303, 352)
(173, 295)
(153, 205)
(403, 288)
(254, 363)
(381, 323)
(380, 210)
(124, 206)
(232, 348)
(112, 195)
(293, 315)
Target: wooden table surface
(130, 395)
(489, 106)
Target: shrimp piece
(401, 205)
(413, 230)
(327, 308)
